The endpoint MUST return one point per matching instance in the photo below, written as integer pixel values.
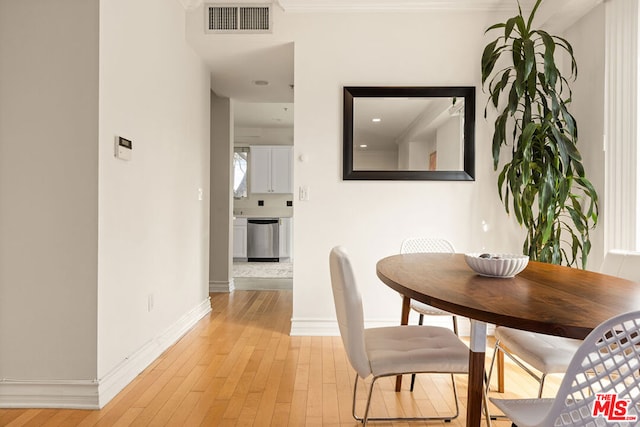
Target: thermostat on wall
(123, 148)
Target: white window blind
(621, 213)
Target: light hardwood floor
(240, 367)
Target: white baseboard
(329, 327)
(95, 394)
(119, 377)
(314, 328)
(70, 394)
(262, 283)
(221, 286)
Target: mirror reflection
(423, 134)
(420, 133)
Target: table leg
(404, 320)
(477, 347)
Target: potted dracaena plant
(543, 181)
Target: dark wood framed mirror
(409, 133)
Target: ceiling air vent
(239, 19)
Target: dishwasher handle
(263, 221)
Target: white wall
(414, 155)
(371, 218)
(87, 238)
(247, 136)
(587, 37)
(221, 243)
(376, 160)
(48, 190)
(449, 137)
(153, 229)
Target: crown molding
(190, 4)
(398, 5)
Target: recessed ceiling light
(376, 120)
(261, 82)
(363, 145)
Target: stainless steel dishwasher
(263, 240)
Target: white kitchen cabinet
(240, 238)
(286, 237)
(271, 169)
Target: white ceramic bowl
(499, 265)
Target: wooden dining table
(546, 298)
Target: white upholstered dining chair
(549, 354)
(427, 245)
(612, 350)
(389, 351)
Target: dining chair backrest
(426, 245)
(612, 262)
(348, 303)
(612, 350)
(620, 263)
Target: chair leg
(455, 324)
(413, 376)
(365, 419)
(455, 394)
(498, 355)
(353, 403)
(496, 349)
(542, 378)
(499, 352)
(485, 405)
(366, 411)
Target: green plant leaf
(513, 98)
(522, 28)
(569, 121)
(497, 90)
(489, 59)
(529, 58)
(516, 53)
(499, 136)
(550, 70)
(567, 46)
(493, 27)
(508, 27)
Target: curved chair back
(613, 351)
(612, 262)
(426, 245)
(348, 302)
(625, 264)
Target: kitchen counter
(270, 213)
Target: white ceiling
(237, 63)
(263, 114)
